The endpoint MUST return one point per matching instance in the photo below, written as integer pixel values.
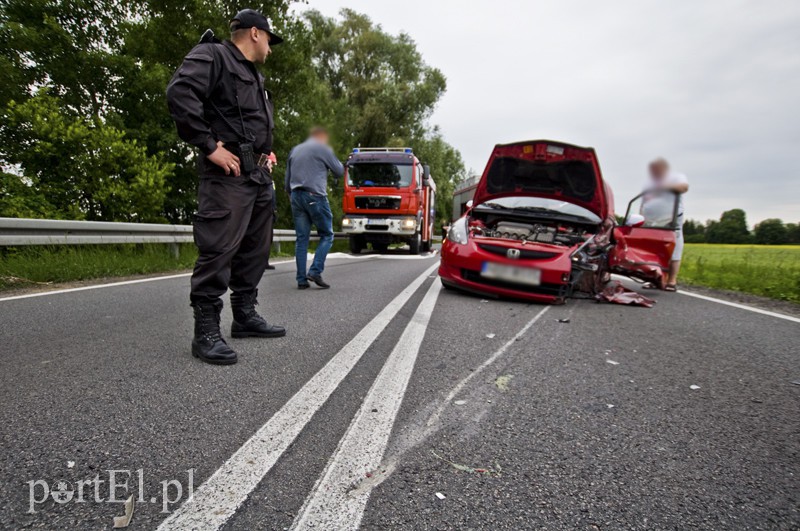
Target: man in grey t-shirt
(307, 183)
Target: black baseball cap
(250, 18)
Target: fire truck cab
(389, 198)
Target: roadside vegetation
(27, 267)
(767, 270)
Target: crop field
(768, 270)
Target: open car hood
(543, 168)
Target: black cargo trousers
(233, 233)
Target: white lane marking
(499, 352)
(334, 503)
(740, 306)
(216, 500)
(95, 286)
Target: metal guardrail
(15, 231)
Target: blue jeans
(308, 209)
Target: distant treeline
(732, 228)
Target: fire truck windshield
(368, 174)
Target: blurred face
(322, 138)
(658, 170)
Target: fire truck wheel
(416, 243)
(356, 245)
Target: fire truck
(388, 198)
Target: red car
(541, 227)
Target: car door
(645, 242)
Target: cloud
(710, 85)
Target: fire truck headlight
(410, 223)
(346, 222)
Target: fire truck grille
(377, 202)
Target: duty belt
(262, 159)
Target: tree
(84, 168)
(447, 168)
(793, 233)
(694, 231)
(379, 92)
(731, 228)
(19, 199)
(66, 46)
(771, 232)
(102, 67)
(383, 92)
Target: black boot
(208, 344)
(247, 322)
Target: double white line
(216, 500)
(335, 503)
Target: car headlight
(410, 223)
(458, 232)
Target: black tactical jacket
(202, 98)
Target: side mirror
(635, 220)
(470, 203)
(426, 174)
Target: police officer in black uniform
(219, 105)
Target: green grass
(768, 270)
(36, 265)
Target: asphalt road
(395, 404)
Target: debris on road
(502, 382)
(610, 406)
(470, 470)
(796, 382)
(490, 336)
(616, 293)
(612, 362)
(70, 464)
(440, 495)
(694, 387)
(124, 521)
(460, 402)
(563, 320)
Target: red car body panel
(463, 264)
(532, 169)
(642, 253)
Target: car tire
(356, 245)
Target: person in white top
(663, 178)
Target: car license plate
(514, 274)
(376, 222)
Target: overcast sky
(713, 86)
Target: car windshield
(540, 205)
(380, 174)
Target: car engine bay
(551, 232)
